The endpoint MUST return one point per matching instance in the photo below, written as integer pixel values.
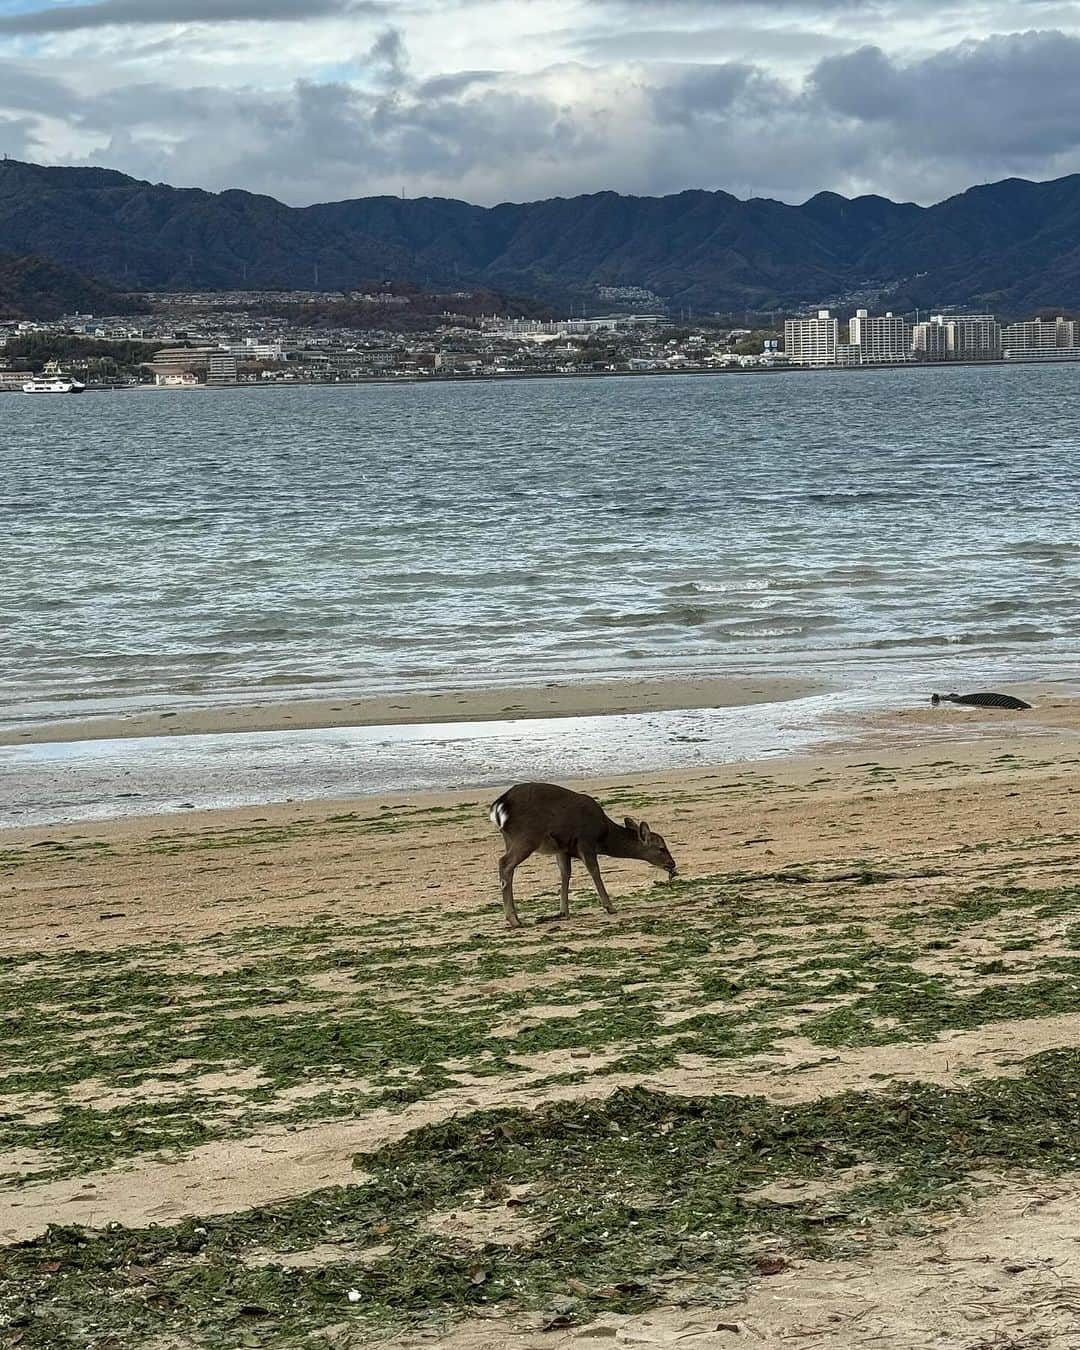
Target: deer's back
(547, 811)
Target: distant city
(893, 340)
(235, 338)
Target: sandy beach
(960, 773)
(217, 1020)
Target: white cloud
(496, 100)
(128, 13)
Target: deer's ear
(631, 824)
(644, 833)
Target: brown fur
(545, 818)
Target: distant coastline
(500, 377)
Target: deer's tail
(500, 813)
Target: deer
(545, 818)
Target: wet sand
(556, 699)
(52, 782)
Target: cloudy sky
(493, 100)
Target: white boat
(52, 380)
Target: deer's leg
(564, 884)
(589, 859)
(515, 855)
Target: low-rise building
(461, 363)
(183, 361)
(180, 380)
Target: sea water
(252, 543)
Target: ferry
(52, 380)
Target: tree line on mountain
(424, 309)
(38, 288)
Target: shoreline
(875, 750)
(59, 785)
(504, 375)
(514, 702)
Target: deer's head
(651, 846)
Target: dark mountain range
(37, 288)
(1012, 246)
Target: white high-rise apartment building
(929, 342)
(1040, 340)
(812, 342)
(879, 340)
(970, 337)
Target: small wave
(1056, 552)
(746, 584)
(285, 679)
(988, 638)
(679, 616)
(992, 608)
(854, 572)
(46, 605)
(807, 620)
(251, 635)
(915, 640)
(856, 497)
(851, 574)
(765, 632)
